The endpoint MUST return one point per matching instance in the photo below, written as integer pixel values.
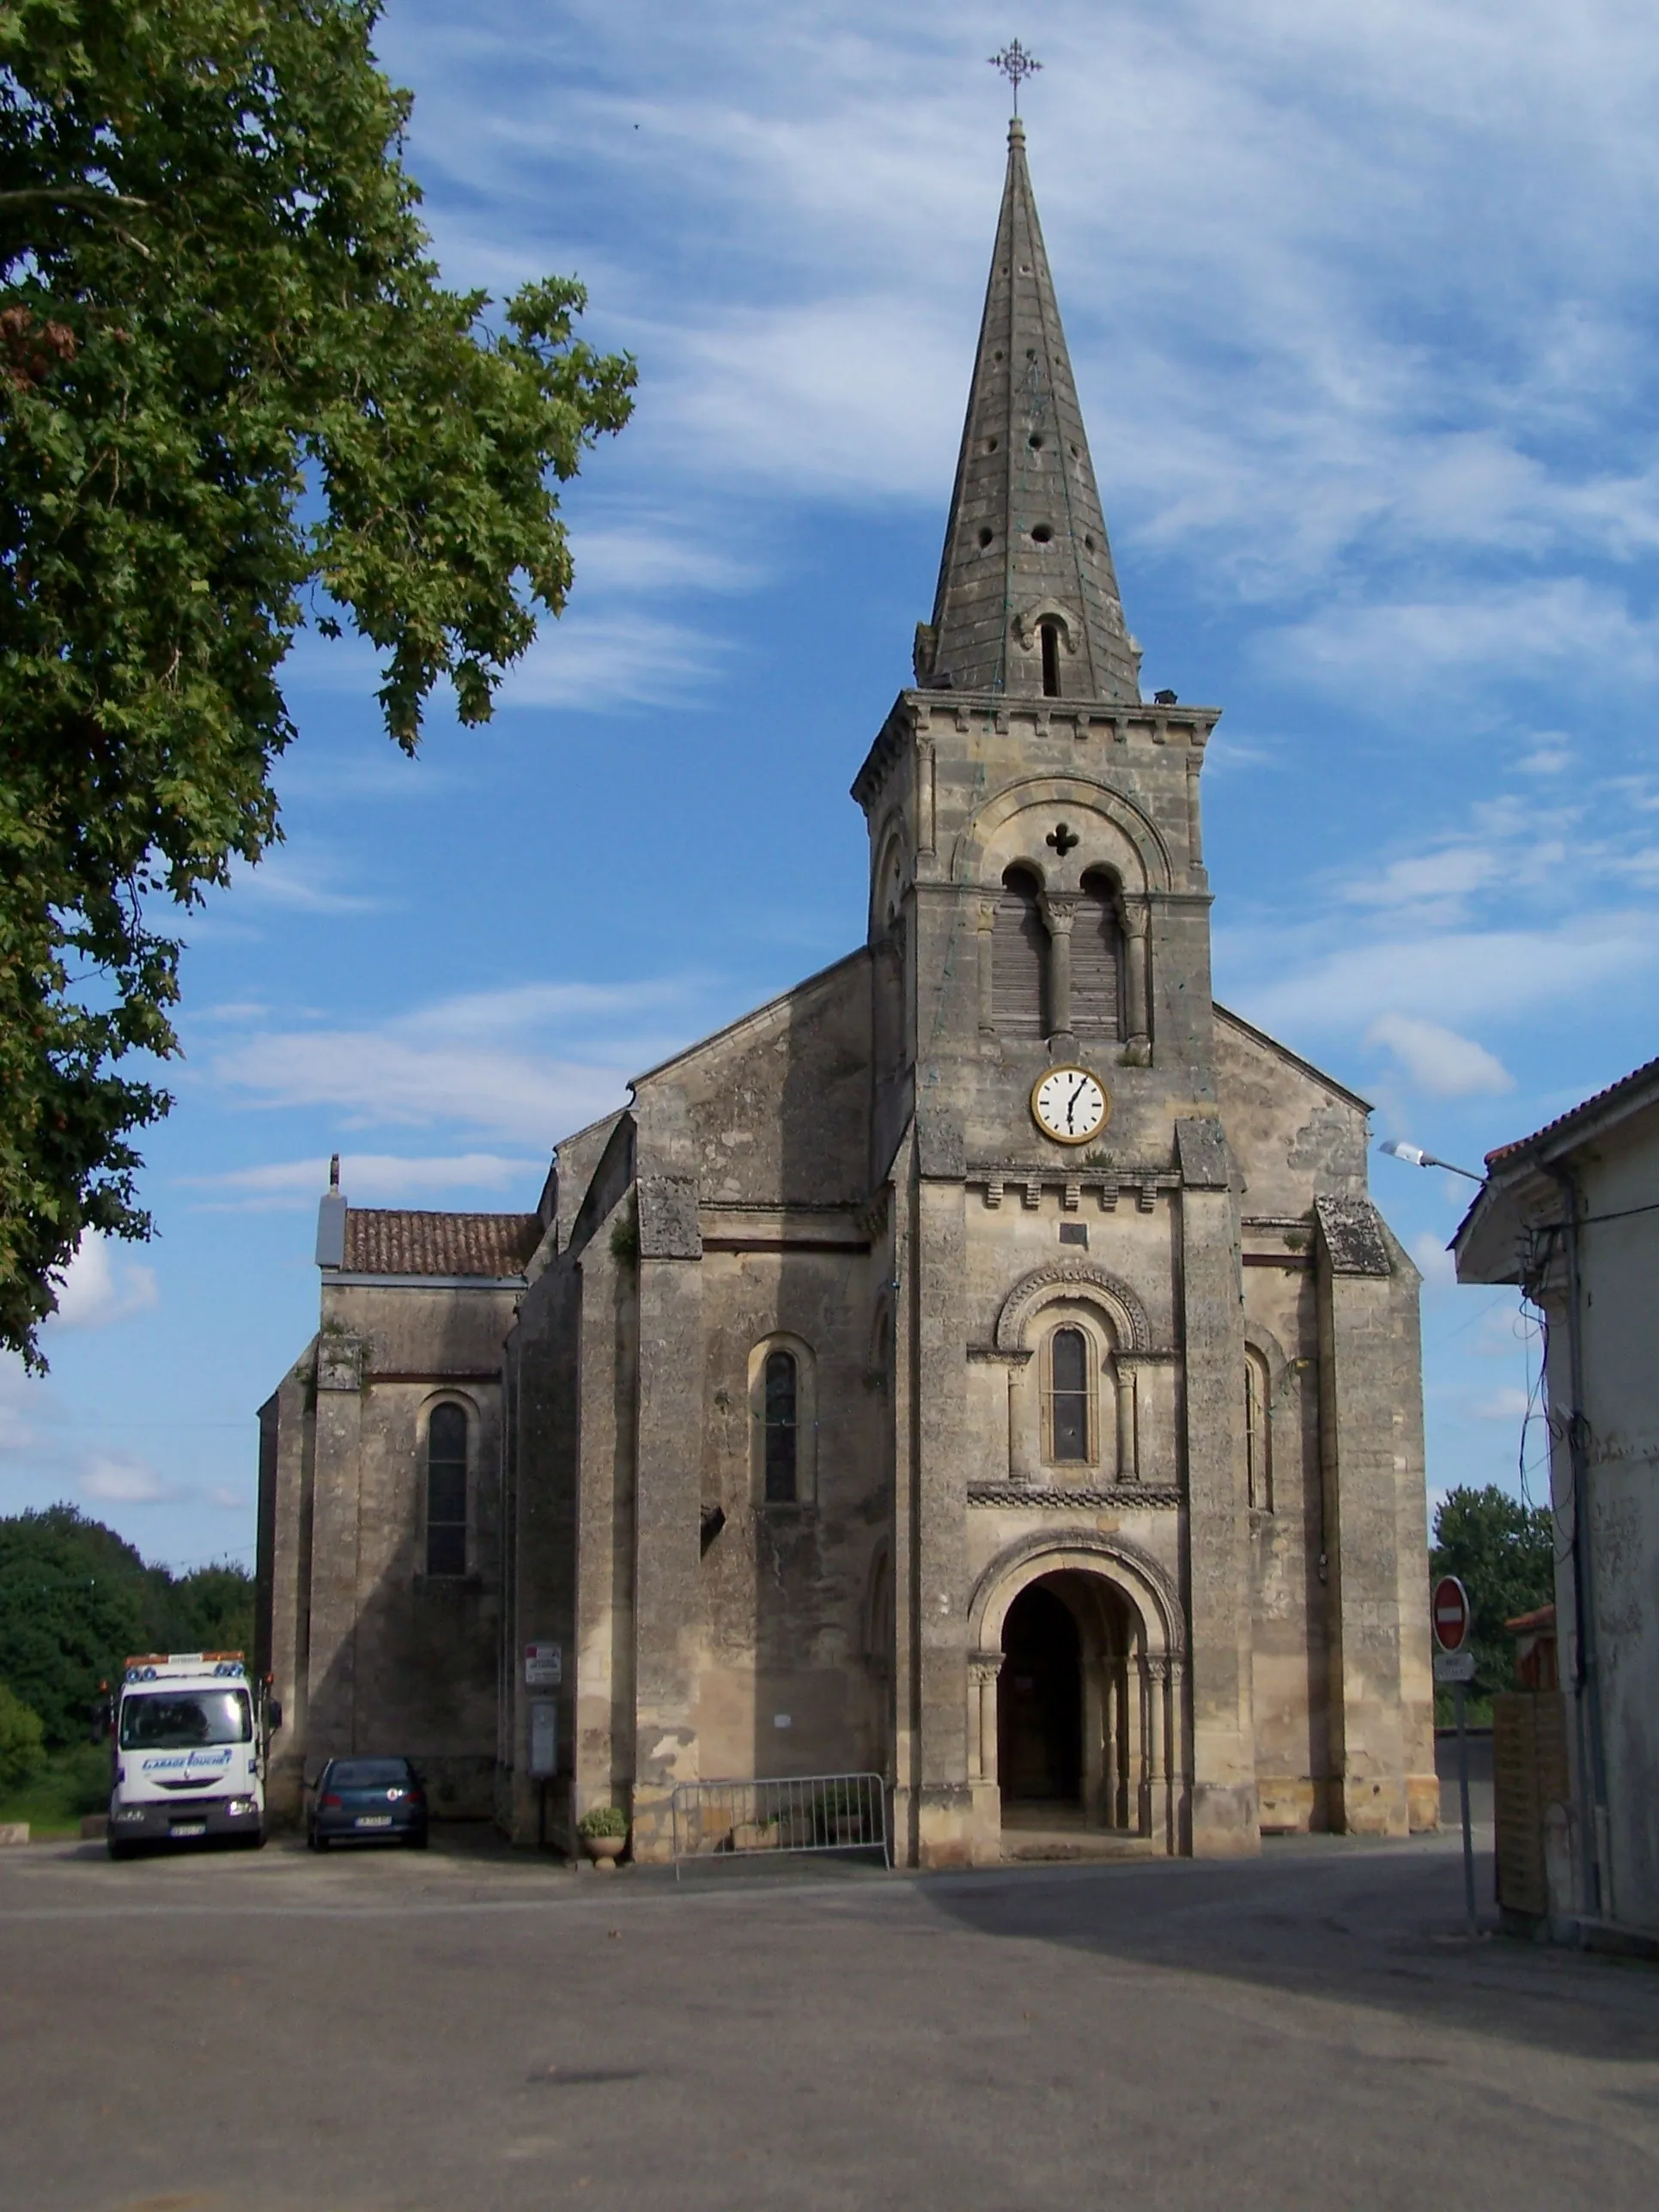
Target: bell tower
(1045, 1083)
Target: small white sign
(1454, 1666)
(544, 1739)
(781, 1720)
(544, 1666)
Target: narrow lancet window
(1258, 1433)
(1069, 1418)
(445, 1492)
(780, 1417)
(1049, 636)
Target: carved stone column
(1020, 1468)
(1137, 1051)
(1129, 1422)
(983, 1667)
(987, 1011)
(1157, 1748)
(1058, 912)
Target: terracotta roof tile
(382, 1241)
(1601, 1098)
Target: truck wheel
(119, 1848)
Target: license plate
(188, 1829)
(373, 1820)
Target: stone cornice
(1029, 1497)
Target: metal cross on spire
(1016, 65)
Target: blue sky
(1361, 304)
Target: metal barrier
(796, 1813)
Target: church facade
(982, 1366)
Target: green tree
(75, 1600)
(1504, 1553)
(209, 1609)
(22, 1743)
(231, 386)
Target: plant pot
(604, 1851)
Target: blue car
(366, 1800)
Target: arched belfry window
(1048, 638)
(1258, 1431)
(445, 1490)
(781, 1417)
(1019, 951)
(1098, 960)
(1070, 1395)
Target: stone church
(981, 1366)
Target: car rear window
(367, 1773)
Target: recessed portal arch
(1076, 1699)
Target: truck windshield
(175, 1720)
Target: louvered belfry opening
(1019, 945)
(1097, 961)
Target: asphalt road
(471, 2031)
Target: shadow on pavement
(1328, 1919)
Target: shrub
(603, 1820)
(22, 1743)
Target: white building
(1572, 1215)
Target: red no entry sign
(1449, 1610)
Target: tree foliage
(1503, 1553)
(22, 1746)
(231, 386)
(76, 1600)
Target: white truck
(188, 1736)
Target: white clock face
(1069, 1105)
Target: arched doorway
(1040, 1702)
(1075, 1687)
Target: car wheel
(417, 1841)
(319, 1843)
(118, 1848)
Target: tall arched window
(1098, 960)
(1069, 1395)
(780, 1417)
(1018, 956)
(445, 1490)
(1258, 1431)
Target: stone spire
(1028, 601)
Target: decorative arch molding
(445, 1394)
(1029, 620)
(1264, 1341)
(891, 847)
(1139, 831)
(1085, 1551)
(1062, 1278)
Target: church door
(1040, 1701)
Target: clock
(1069, 1105)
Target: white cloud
(525, 1062)
(122, 1478)
(293, 1185)
(229, 1500)
(307, 884)
(1434, 1262)
(1508, 1405)
(1438, 1060)
(598, 659)
(101, 1286)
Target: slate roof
(386, 1241)
(1639, 1075)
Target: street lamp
(1415, 1156)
